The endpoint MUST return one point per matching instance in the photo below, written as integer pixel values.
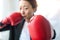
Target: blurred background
(48, 8)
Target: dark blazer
(18, 29)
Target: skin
(26, 10)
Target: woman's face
(26, 9)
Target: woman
(21, 31)
(27, 9)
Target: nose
(22, 11)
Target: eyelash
(24, 8)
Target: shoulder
(39, 17)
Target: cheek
(29, 12)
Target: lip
(23, 15)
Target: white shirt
(25, 32)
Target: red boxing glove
(13, 19)
(39, 28)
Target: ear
(35, 9)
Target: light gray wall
(9, 6)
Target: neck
(28, 19)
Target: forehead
(24, 3)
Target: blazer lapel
(18, 30)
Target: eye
(20, 8)
(26, 8)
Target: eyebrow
(26, 6)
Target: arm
(39, 28)
(12, 20)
